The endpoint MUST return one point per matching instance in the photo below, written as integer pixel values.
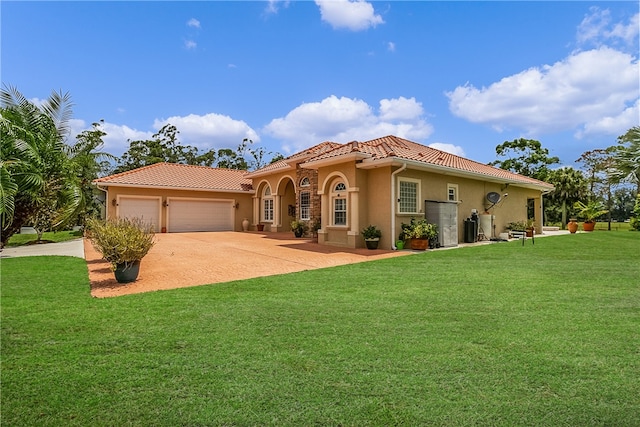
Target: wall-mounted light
(113, 202)
(165, 204)
(237, 205)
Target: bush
(371, 232)
(122, 240)
(635, 218)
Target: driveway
(190, 259)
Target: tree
(570, 186)
(526, 157)
(626, 158)
(38, 184)
(89, 163)
(599, 166)
(163, 147)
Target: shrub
(371, 232)
(122, 240)
(635, 218)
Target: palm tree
(35, 171)
(571, 185)
(626, 159)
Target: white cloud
(391, 46)
(210, 130)
(449, 148)
(345, 119)
(273, 6)
(596, 28)
(190, 44)
(116, 140)
(193, 22)
(400, 108)
(578, 91)
(355, 15)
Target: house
(384, 182)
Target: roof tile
(181, 176)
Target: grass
(545, 334)
(48, 236)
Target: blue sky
(459, 76)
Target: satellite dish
(493, 197)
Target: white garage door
(187, 215)
(146, 208)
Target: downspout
(393, 203)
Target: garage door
(187, 215)
(146, 208)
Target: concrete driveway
(190, 259)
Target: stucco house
(384, 182)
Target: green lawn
(50, 236)
(540, 335)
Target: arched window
(267, 204)
(339, 204)
(304, 182)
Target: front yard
(545, 334)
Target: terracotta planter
(572, 226)
(529, 232)
(260, 227)
(588, 226)
(419, 244)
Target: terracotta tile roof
(298, 157)
(395, 147)
(171, 175)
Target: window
(305, 205)
(408, 195)
(267, 205)
(304, 182)
(339, 204)
(452, 192)
(339, 211)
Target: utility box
(445, 216)
(470, 231)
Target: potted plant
(371, 236)
(421, 234)
(123, 242)
(299, 228)
(590, 212)
(316, 225)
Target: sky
(463, 77)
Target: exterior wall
(472, 195)
(243, 201)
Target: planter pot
(298, 233)
(399, 245)
(419, 244)
(260, 227)
(245, 224)
(529, 232)
(588, 226)
(572, 226)
(163, 229)
(372, 243)
(127, 272)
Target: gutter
(393, 204)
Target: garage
(187, 215)
(147, 208)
